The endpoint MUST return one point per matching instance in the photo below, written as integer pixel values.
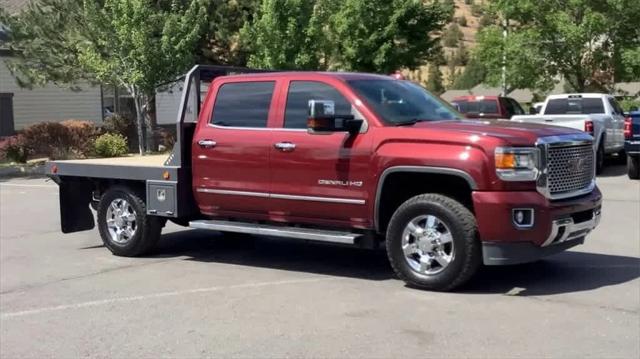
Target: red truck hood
(513, 132)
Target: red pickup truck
(348, 158)
(488, 107)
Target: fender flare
(416, 169)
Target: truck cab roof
(320, 74)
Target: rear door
(318, 178)
(231, 149)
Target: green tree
(282, 37)
(136, 44)
(434, 80)
(584, 41)
(221, 41)
(474, 73)
(352, 35)
(526, 67)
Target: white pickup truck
(598, 114)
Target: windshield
(401, 102)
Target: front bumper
(558, 225)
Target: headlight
(517, 163)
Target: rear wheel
(633, 167)
(432, 242)
(124, 225)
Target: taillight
(588, 127)
(628, 128)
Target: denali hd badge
(324, 182)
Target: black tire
(633, 167)
(147, 228)
(460, 221)
(600, 157)
(622, 157)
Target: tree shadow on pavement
(563, 273)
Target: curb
(20, 171)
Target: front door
(318, 177)
(231, 151)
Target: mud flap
(75, 214)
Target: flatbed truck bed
(130, 167)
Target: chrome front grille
(568, 166)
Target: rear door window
(243, 104)
(577, 106)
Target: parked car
(488, 107)
(597, 114)
(355, 159)
(632, 144)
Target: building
(20, 107)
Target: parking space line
(108, 301)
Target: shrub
(68, 139)
(487, 20)
(452, 35)
(119, 124)
(111, 145)
(476, 10)
(14, 149)
(164, 137)
(124, 126)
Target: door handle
(207, 143)
(285, 146)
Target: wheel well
(400, 186)
(102, 185)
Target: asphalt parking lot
(202, 294)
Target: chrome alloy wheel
(427, 244)
(121, 221)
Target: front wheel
(124, 225)
(633, 167)
(432, 242)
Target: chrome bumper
(566, 229)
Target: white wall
(50, 103)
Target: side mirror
(323, 120)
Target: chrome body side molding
(311, 234)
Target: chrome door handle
(207, 143)
(285, 146)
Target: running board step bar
(311, 234)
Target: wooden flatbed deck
(130, 167)
(136, 161)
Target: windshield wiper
(411, 122)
